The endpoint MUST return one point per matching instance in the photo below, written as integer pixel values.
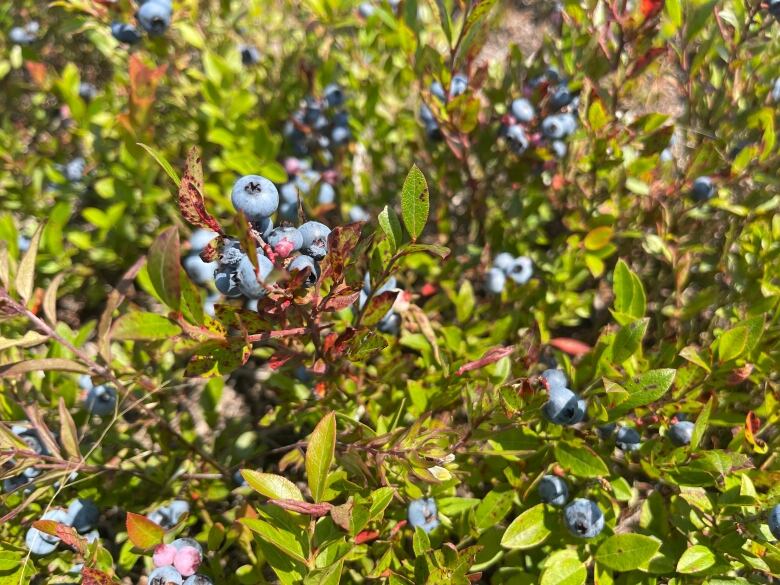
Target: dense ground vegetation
(481, 316)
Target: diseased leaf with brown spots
(343, 297)
(191, 202)
(218, 358)
(378, 307)
(341, 243)
(95, 577)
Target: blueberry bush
(452, 291)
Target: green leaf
(647, 388)
(414, 202)
(629, 339)
(564, 571)
(701, 424)
(390, 225)
(492, 509)
(319, 455)
(144, 326)
(378, 306)
(580, 460)
(527, 530)
(272, 486)
(279, 534)
(732, 343)
(597, 116)
(627, 552)
(420, 541)
(465, 302)
(142, 532)
(630, 299)
(696, 559)
(380, 500)
(69, 437)
(163, 267)
(674, 12)
(162, 161)
(691, 354)
(25, 275)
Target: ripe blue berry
(553, 490)
(628, 439)
(774, 521)
(302, 263)
(583, 518)
(125, 33)
(256, 196)
(423, 513)
(169, 515)
(555, 379)
(516, 139)
(165, 576)
(334, 95)
(495, 280)
(74, 170)
(154, 17)
(522, 110)
(390, 323)
(315, 239)
(101, 400)
(40, 543)
(198, 580)
(437, 89)
(248, 281)
(340, 135)
(703, 189)
(553, 127)
(326, 194)
(681, 432)
(561, 97)
(83, 515)
(226, 280)
(200, 272)
(200, 238)
(250, 55)
(564, 407)
(559, 148)
(521, 270)
(458, 85)
(504, 261)
(358, 213)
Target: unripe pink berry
(163, 555)
(187, 560)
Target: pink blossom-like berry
(187, 560)
(163, 555)
(284, 248)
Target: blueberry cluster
(519, 269)
(423, 513)
(26, 34)
(563, 407)
(178, 562)
(34, 444)
(82, 515)
(99, 400)
(154, 18)
(521, 127)
(319, 125)
(628, 439)
(391, 321)
(582, 516)
(458, 85)
(235, 275)
(302, 180)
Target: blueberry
(178, 509)
(198, 580)
(774, 521)
(522, 110)
(12, 484)
(628, 439)
(584, 518)
(226, 280)
(458, 85)
(553, 127)
(433, 132)
(288, 193)
(521, 270)
(301, 263)
(306, 180)
(334, 95)
(366, 9)
(315, 239)
(569, 122)
(87, 91)
(495, 280)
(256, 196)
(169, 515)
(553, 490)
(74, 170)
(200, 272)
(288, 211)
(18, 35)
(552, 75)
(605, 431)
(504, 261)
(564, 407)
(358, 213)
(561, 97)
(340, 135)
(423, 513)
(200, 238)
(250, 55)
(555, 379)
(247, 279)
(776, 91)
(101, 400)
(83, 515)
(516, 139)
(426, 115)
(681, 432)
(85, 382)
(31, 438)
(23, 243)
(703, 189)
(164, 576)
(559, 148)
(312, 110)
(285, 240)
(154, 17)
(125, 33)
(390, 323)
(180, 543)
(326, 194)
(438, 90)
(209, 305)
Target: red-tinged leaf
(397, 527)
(143, 87)
(315, 510)
(378, 307)
(191, 202)
(37, 72)
(570, 346)
(26, 366)
(739, 375)
(752, 426)
(212, 250)
(340, 299)
(279, 359)
(474, 577)
(46, 526)
(429, 289)
(341, 243)
(491, 356)
(163, 267)
(651, 7)
(65, 533)
(366, 536)
(142, 532)
(645, 60)
(95, 577)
